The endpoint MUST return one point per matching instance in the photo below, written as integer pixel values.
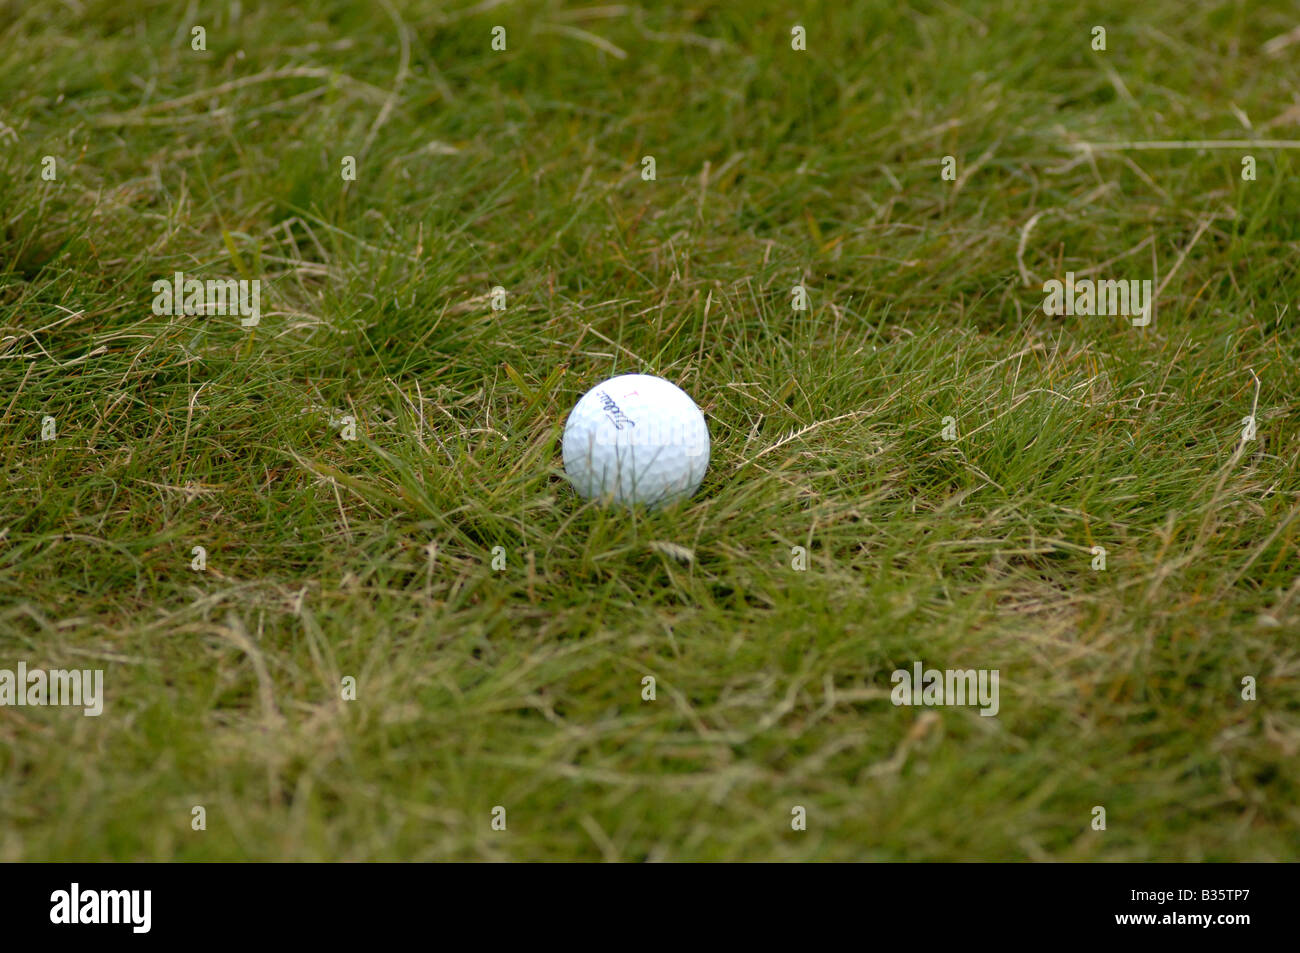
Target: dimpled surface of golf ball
(636, 439)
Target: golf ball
(636, 439)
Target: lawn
(345, 604)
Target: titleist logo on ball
(615, 414)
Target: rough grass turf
(523, 687)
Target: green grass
(523, 687)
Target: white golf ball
(636, 439)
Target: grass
(522, 687)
